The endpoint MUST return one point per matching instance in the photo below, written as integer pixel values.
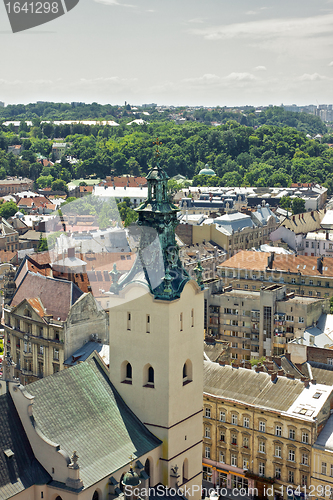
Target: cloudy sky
(191, 52)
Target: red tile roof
(56, 295)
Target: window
(207, 474)
(331, 471)
(181, 322)
(324, 468)
(245, 463)
(278, 472)
(278, 451)
(222, 416)
(25, 348)
(207, 412)
(291, 455)
(301, 320)
(128, 321)
(310, 282)
(207, 452)
(245, 442)
(192, 318)
(291, 434)
(222, 436)
(290, 318)
(262, 426)
(246, 422)
(262, 446)
(290, 476)
(148, 323)
(222, 459)
(261, 468)
(278, 430)
(56, 354)
(305, 459)
(129, 372)
(304, 480)
(234, 439)
(41, 349)
(233, 460)
(293, 281)
(305, 437)
(234, 419)
(207, 432)
(150, 375)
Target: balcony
(279, 340)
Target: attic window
(317, 395)
(302, 411)
(304, 266)
(9, 453)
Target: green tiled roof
(79, 409)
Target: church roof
(19, 468)
(80, 409)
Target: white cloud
(331, 63)
(302, 28)
(260, 68)
(312, 78)
(197, 20)
(240, 77)
(114, 2)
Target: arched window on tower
(95, 496)
(126, 372)
(187, 372)
(58, 498)
(148, 376)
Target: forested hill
(277, 116)
(239, 154)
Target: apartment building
(237, 231)
(304, 275)
(260, 323)
(46, 321)
(258, 429)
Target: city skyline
(192, 53)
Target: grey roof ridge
(293, 366)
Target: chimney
(259, 368)
(270, 260)
(306, 383)
(274, 377)
(313, 381)
(280, 373)
(287, 355)
(247, 365)
(320, 264)
(289, 375)
(277, 360)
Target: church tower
(156, 341)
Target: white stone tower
(156, 338)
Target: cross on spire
(157, 143)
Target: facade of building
(15, 185)
(260, 323)
(45, 322)
(259, 429)
(237, 231)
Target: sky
(173, 52)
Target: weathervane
(157, 143)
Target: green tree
(8, 209)
(59, 185)
(298, 206)
(42, 246)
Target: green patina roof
(207, 171)
(79, 409)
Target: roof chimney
(274, 377)
(320, 264)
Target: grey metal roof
(321, 372)
(80, 409)
(86, 350)
(250, 387)
(19, 468)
